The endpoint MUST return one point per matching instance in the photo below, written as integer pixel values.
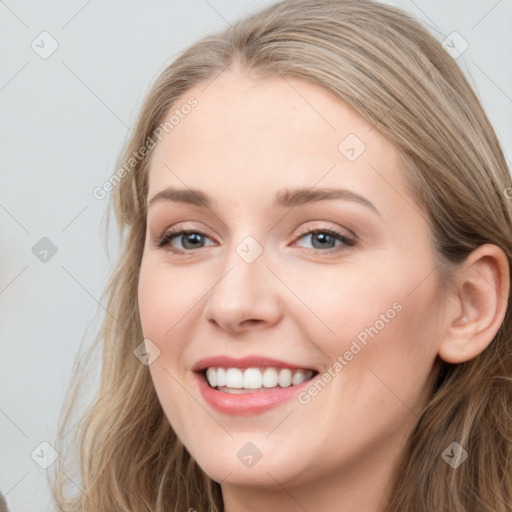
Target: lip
(245, 362)
(247, 404)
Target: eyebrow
(286, 198)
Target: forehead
(261, 135)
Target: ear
(480, 304)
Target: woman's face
(252, 291)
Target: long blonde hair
(399, 78)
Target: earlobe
(482, 297)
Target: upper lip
(245, 362)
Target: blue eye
(322, 240)
(188, 237)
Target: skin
(300, 302)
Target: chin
(252, 464)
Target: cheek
(165, 304)
(336, 304)
(382, 358)
(390, 349)
(166, 297)
(154, 301)
(375, 323)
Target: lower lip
(245, 404)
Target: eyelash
(166, 239)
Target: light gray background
(64, 120)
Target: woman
(310, 310)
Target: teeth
(235, 380)
(285, 378)
(252, 378)
(211, 375)
(299, 377)
(221, 376)
(270, 378)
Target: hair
(398, 77)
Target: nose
(246, 297)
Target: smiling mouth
(255, 379)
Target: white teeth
(211, 375)
(252, 378)
(235, 380)
(270, 378)
(285, 378)
(221, 376)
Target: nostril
(248, 323)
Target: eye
(190, 239)
(322, 240)
(325, 239)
